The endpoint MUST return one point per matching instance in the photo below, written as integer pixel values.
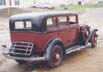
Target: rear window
(23, 25)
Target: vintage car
(47, 36)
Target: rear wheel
(56, 56)
(94, 40)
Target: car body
(47, 36)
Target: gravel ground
(87, 60)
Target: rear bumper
(25, 58)
(6, 53)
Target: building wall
(27, 3)
(23, 3)
(73, 2)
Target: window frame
(67, 21)
(56, 24)
(76, 19)
(2, 2)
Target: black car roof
(39, 15)
(38, 19)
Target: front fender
(90, 35)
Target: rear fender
(50, 45)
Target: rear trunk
(28, 37)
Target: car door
(73, 28)
(64, 27)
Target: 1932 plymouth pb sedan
(47, 36)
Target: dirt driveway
(87, 60)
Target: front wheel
(94, 40)
(56, 56)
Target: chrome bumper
(25, 58)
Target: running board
(75, 48)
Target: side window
(51, 23)
(28, 24)
(23, 25)
(62, 21)
(72, 19)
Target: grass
(79, 7)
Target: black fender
(50, 45)
(90, 35)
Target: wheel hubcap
(57, 56)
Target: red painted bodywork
(40, 41)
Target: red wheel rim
(86, 33)
(57, 56)
(95, 39)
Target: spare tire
(84, 34)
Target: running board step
(75, 48)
